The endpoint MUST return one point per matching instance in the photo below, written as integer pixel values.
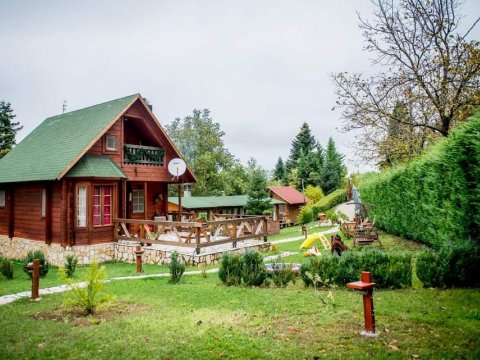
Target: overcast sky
(261, 67)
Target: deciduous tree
(424, 63)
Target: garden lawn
(201, 318)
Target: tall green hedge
(433, 199)
(327, 202)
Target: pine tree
(258, 199)
(279, 173)
(8, 129)
(304, 141)
(334, 171)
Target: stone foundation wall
(17, 248)
(125, 252)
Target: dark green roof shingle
(49, 149)
(96, 166)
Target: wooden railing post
(197, 240)
(35, 278)
(265, 229)
(234, 228)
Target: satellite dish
(177, 167)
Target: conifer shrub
(7, 268)
(253, 270)
(326, 267)
(176, 268)
(31, 255)
(91, 297)
(305, 215)
(70, 265)
(231, 269)
(282, 274)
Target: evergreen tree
(258, 199)
(279, 173)
(334, 171)
(8, 128)
(304, 141)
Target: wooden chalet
(293, 201)
(64, 185)
(215, 206)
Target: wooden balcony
(143, 155)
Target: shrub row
(326, 203)
(454, 265)
(392, 270)
(435, 198)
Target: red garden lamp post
(34, 269)
(366, 285)
(138, 254)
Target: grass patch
(202, 319)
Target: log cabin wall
(155, 202)
(28, 220)
(5, 212)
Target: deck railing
(192, 234)
(143, 155)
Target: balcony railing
(143, 155)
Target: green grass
(200, 318)
(295, 231)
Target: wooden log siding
(192, 234)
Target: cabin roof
(288, 193)
(96, 166)
(204, 202)
(58, 141)
(53, 148)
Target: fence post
(265, 229)
(35, 278)
(197, 240)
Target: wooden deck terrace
(192, 234)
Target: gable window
(82, 206)
(111, 143)
(138, 201)
(44, 202)
(2, 198)
(102, 205)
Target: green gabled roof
(202, 202)
(96, 166)
(54, 146)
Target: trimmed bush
(430, 269)
(176, 268)
(254, 273)
(326, 203)
(282, 274)
(454, 265)
(7, 268)
(231, 269)
(389, 270)
(70, 265)
(31, 255)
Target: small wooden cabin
(293, 201)
(62, 186)
(212, 205)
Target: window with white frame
(111, 143)
(44, 202)
(2, 198)
(102, 205)
(138, 201)
(82, 206)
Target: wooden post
(179, 202)
(265, 229)
(368, 310)
(35, 278)
(365, 284)
(197, 240)
(138, 254)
